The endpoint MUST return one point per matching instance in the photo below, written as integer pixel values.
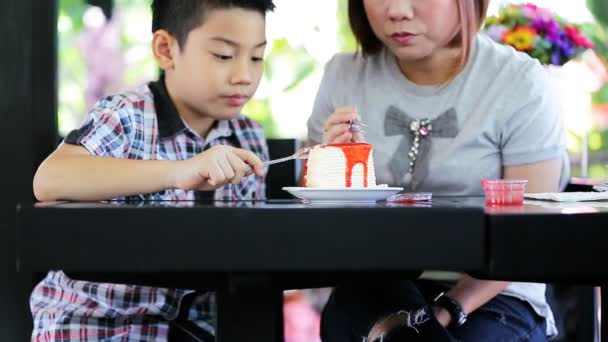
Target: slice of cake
(340, 166)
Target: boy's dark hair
(179, 17)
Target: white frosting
(326, 168)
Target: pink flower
(544, 13)
(529, 11)
(579, 40)
(600, 115)
(99, 44)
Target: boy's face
(220, 65)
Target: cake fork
(300, 154)
(355, 126)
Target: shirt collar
(221, 129)
(170, 122)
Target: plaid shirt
(142, 124)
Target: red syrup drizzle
(305, 173)
(355, 153)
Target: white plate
(343, 195)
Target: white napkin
(568, 196)
(601, 187)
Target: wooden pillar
(28, 107)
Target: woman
(445, 107)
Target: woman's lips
(403, 38)
(236, 100)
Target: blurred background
(104, 48)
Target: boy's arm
(72, 173)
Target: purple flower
(556, 58)
(562, 47)
(545, 26)
(496, 32)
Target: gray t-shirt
(501, 110)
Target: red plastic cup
(503, 192)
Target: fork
(300, 154)
(355, 126)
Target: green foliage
(346, 40)
(599, 36)
(601, 97)
(132, 3)
(297, 61)
(599, 8)
(260, 111)
(73, 9)
(542, 48)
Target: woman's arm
(542, 177)
(472, 293)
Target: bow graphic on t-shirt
(409, 163)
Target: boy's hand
(336, 128)
(215, 167)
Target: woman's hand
(337, 130)
(442, 315)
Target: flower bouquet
(537, 32)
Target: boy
(175, 139)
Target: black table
(555, 242)
(248, 251)
(565, 241)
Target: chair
(575, 307)
(575, 311)
(282, 174)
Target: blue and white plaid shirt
(141, 124)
